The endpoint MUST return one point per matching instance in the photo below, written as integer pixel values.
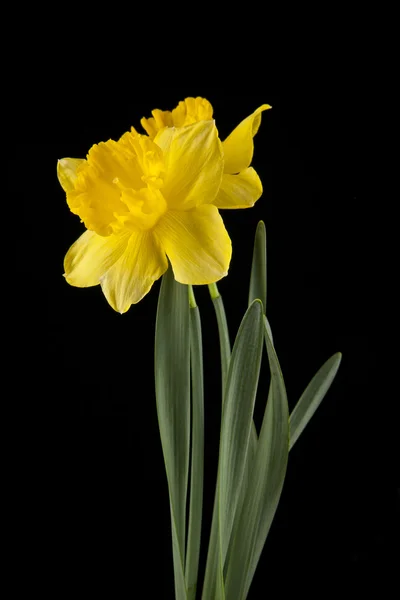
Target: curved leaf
(312, 397)
(237, 416)
(172, 379)
(265, 485)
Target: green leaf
(213, 586)
(172, 379)
(197, 453)
(265, 485)
(251, 453)
(258, 289)
(179, 576)
(237, 417)
(258, 278)
(312, 397)
(241, 386)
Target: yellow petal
(95, 196)
(239, 191)
(159, 120)
(132, 276)
(192, 110)
(196, 243)
(66, 172)
(90, 257)
(194, 164)
(238, 146)
(187, 112)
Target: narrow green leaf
(237, 417)
(265, 485)
(257, 289)
(178, 560)
(197, 453)
(213, 587)
(242, 381)
(251, 453)
(258, 278)
(312, 397)
(172, 379)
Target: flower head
(148, 197)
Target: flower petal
(66, 172)
(90, 257)
(95, 197)
(238, 146)
(192, 110)
(239, 191)
(159, 120)
(196, 243)
(194, 164)
(187, 112)
(132, 276)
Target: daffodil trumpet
(150, 204)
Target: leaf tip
(259, 304)
(261, 225)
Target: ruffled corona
(117, 186)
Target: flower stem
(224, 342)
(214, 293)
(192, 299)
(197, 450)
(213, 586)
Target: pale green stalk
(197, 449)
(223, 332)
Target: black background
(93, 470)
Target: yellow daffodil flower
(146, 198)
(240, 186)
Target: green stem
(214, 293)
(197, 450)
(192, 299)
(224, 342)
(213, 586)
